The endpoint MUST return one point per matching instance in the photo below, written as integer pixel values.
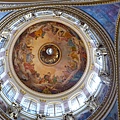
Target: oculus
(49, 54)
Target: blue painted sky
(106, 15)
(3, 14)
(113, 115)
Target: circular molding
(16, 36)
(49, 54)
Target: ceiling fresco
(3, 14)
(49, 57)
(105, 14)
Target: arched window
(29, 106)
(54, 109)
(10, 91)
(81, 98)
(1, 67)
(77, 101)
(94, 82)
(50, 110)
(58, 109)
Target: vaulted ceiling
(59, 58)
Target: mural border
(11, 6)
(117, 53)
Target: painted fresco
(106, 15)
(84, 115)
(3, 14)
(113, 115)
(45, 77)
(104, 92)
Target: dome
(58, 61)
(49, 57)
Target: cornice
(117, 53)
(11, 6)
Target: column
(42, 107)
(20, 96)
(2, 53)
(86, 92)
(5, 78)
(66, 106)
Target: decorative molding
(42, 100)
(6, 52)
(10, 75)
(117, 53)
(64, 98)
(11, 6)
(82, 86)
(91, 66)
(22, 91)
